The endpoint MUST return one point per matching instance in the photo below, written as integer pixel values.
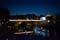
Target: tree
(4, 17)
(57, 25)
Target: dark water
(29, 37)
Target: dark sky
(31, 6)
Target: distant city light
(48, 20)
(20, 22)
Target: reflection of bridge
(25, 20)
(24, 32)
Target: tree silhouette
(4, 17)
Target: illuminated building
(48, 14)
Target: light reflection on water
(38, 31)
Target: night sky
(31, 6)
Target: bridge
(25, 20)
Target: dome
(48, 14)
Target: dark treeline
(4, 17)
(58, 25)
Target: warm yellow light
(16, 24)
(20, 22)
(28, 24)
